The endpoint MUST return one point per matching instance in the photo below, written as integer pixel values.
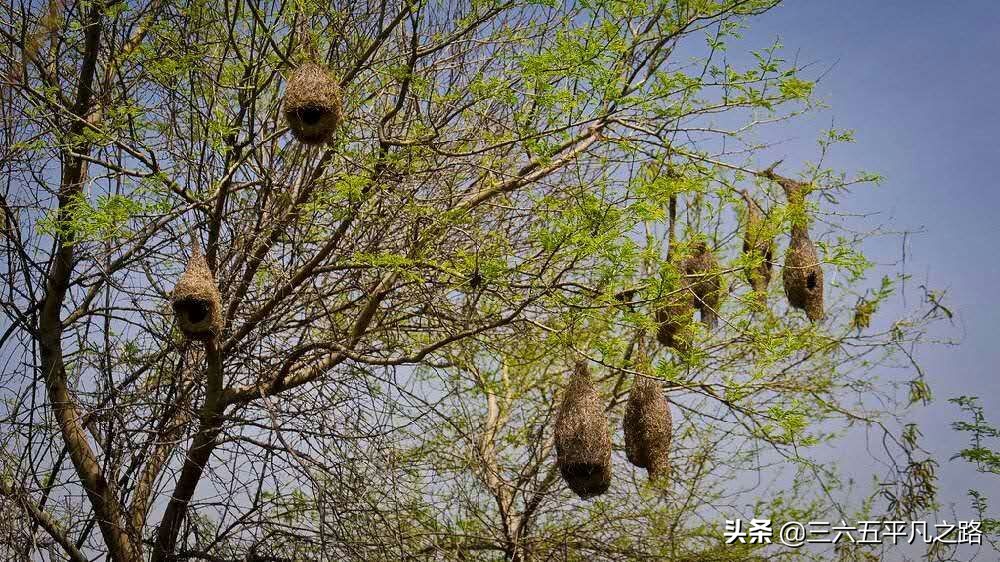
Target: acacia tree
(509, 193)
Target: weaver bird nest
(312, 104)
(648, 425)
(758, 247)
(583, 440)
(802, 275)
(196, 301)
(706, 282)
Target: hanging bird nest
(802, 275)
(583, 440)
(758, 247)
(648, 426)
(312, 104)
(196, 301)
(673, 317)
(706, 282)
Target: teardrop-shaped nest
(673, 316)
(802, 275)
(582, 437)
(648, 427)
(196, 301)
(706, 282)
(312, 104)
(759, 248)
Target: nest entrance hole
(311, 115)
(586, 479)
(811, 281)
(195, 310)
(582, 470)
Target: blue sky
(918, 82)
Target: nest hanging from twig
(802, 275)
(705, 281)
(759, 249)
(582, 437)
(196, 300)
(648, 425)
(673, 317)
(312, 104)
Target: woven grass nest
(802, 275)
(196, 301)
(648, 425)
(312, 104)
(706, 283)
(674, 316)
(583, 440)
(760, 248)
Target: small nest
(760, 249)
(802, 275)
(312, 104)
(583, 441)
(196, 301)
(673, 317)
(706, 283)
(647, 424)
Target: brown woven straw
(802, 275)
(312, 104)
(674, 315)
(196, 300)
(702, 269)
(583, 440)
(647, 425)
(758, 247)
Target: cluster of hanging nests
(312, 109)
(701, 287)
(583, 440)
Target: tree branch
(45, 521)
(103, 497)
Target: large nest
(802, 274)
(648, 426)
(706, 282)
(583, 440)
(312, 103)
(196, 301)
(759, 249)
